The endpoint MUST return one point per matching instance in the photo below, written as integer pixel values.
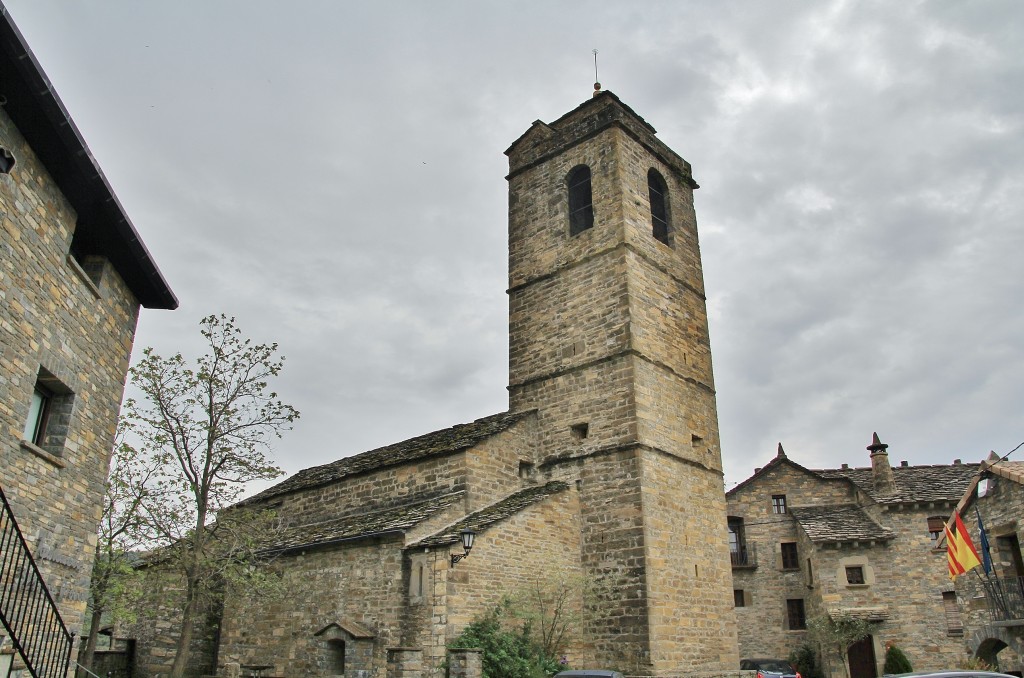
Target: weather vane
(597, 83)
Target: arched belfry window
(581, 202)
(659, 205)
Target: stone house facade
(991, 604)
(594, 474)
(847, 541)
(73, 274)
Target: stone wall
(78, 326)
(389, 486)
(360, 583)
(905, 577)
(156, 623)
(539, 546)
(1001, 506)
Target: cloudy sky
(332, 174)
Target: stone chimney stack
(881, 472)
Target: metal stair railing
(27, 610)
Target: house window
(49, 414)
(738, 598)
(580, 431)
(854, 574)
(581, 203)
(778, 503)
(936, 527)
(954, 625)
(790, 556)
(658, 192)
(795, 614)
(38, 414)
(737, 542)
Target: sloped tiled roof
(501, 510)
(913, 483)
(844, 522)
(390, 520)
(445, 441)
(779, 460)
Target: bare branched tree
(206, 431)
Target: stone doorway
(862, 659)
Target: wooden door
(862, 659)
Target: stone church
(606, 466)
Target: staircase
(26, 608)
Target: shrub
(507, 652)
(805, 661)
(896, 661)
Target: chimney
(881, 472)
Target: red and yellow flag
(961, 555)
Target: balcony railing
(26, 608)
(1006, 598)
(744, 556)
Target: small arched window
(581, 202)
(659, 205)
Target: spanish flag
(961, 555)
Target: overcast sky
(332, 174)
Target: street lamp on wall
(467, 543)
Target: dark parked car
(769, 668)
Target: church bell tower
(608, 342)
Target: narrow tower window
(659, 205)
(581, 203)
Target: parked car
(769, 668)
(951, 674)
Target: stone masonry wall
(693, 626)
(79, 327)
(361, 583)
(156, 624)
(501, 465)
(608, 341)
(762, 622)
(539, 546)
(904, 577)
(390, 486)
(1001, 508)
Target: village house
(605, 469)
(862, 542)
(990, 600)
(73, 274)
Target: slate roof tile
(913, 483)
(445, 441)
(390, 520)
(843, 522)
(501, 510)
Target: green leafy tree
(508, 651)
(835, 634)
(896, 661)
(205, 431)
(118, 536)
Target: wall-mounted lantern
(467, 543)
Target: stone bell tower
(608, 341)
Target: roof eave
(42, 119)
